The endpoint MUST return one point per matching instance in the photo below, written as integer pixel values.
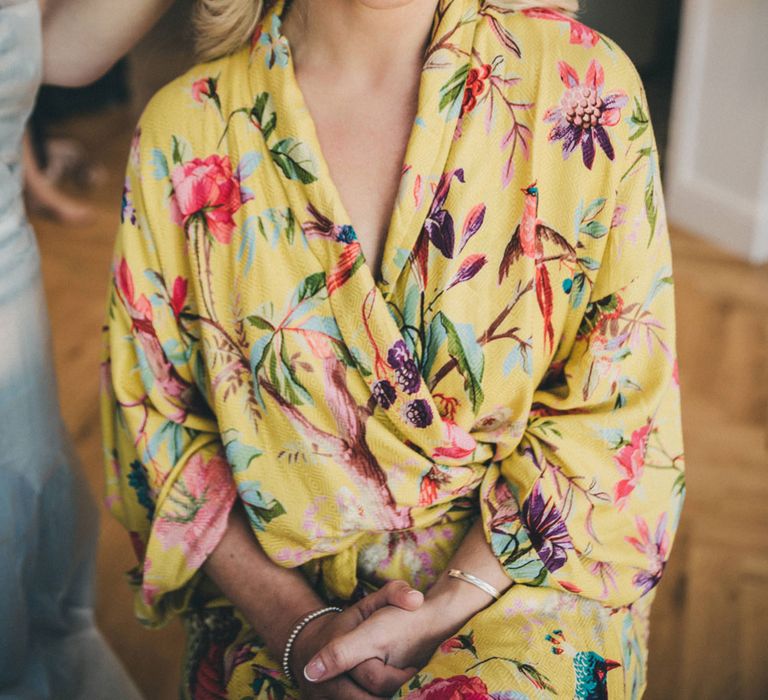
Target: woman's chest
(363, 139)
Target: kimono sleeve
(168, 482)
(590, 500)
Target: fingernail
(415, 596)
(314, 670)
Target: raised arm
(83, 38)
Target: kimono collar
(294, 137)
(360, 304)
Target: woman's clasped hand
(370, 649)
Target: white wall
(717, 179)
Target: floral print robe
(516, 362)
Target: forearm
(270, 597)
(451, 602)
(83, 38)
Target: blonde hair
(223, 26)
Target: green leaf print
(651, 210)
(638, 122)
(180, 150)
(578, 290)
(433, 341)
(295, 160)
(452, 92)
(464, 349)
(265, 114)
(589, 263)
(239, 455)
(262, 508)
(596, 311)
(260, 322)
(293, 389)
(678, 488)
(594, 229)
(587, 218)
(594, 208)
(310, 286)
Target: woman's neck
(359, 40)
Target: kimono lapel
(358, 303)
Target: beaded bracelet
(300, 625)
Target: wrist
(277, 632)
(450, 603)
(299, 646)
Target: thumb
(340, 655)
(396, 593)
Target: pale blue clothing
(49, 645)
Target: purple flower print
(546, 529)
(397, 354)
(655, 547)
(127, 211)
(408, 377)
(419, 413)
(585, 113)
(384, 393)
(468, 269)
(406, 371)
(439, 222)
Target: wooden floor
(709, 623)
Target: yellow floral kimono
(516, 362)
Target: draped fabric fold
(515, 362)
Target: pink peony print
(454, 688)
(208, 191)
(585, 113)
(195, 513)
(631, 461)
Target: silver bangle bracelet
(300, 625)
(475, 581)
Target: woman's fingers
(397, 593)
(340, 655)
(380, 678)
(346, 651)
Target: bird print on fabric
(528, 240)
(350, 258)
(350, 448)
(591, 669)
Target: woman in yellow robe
(516, 362)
